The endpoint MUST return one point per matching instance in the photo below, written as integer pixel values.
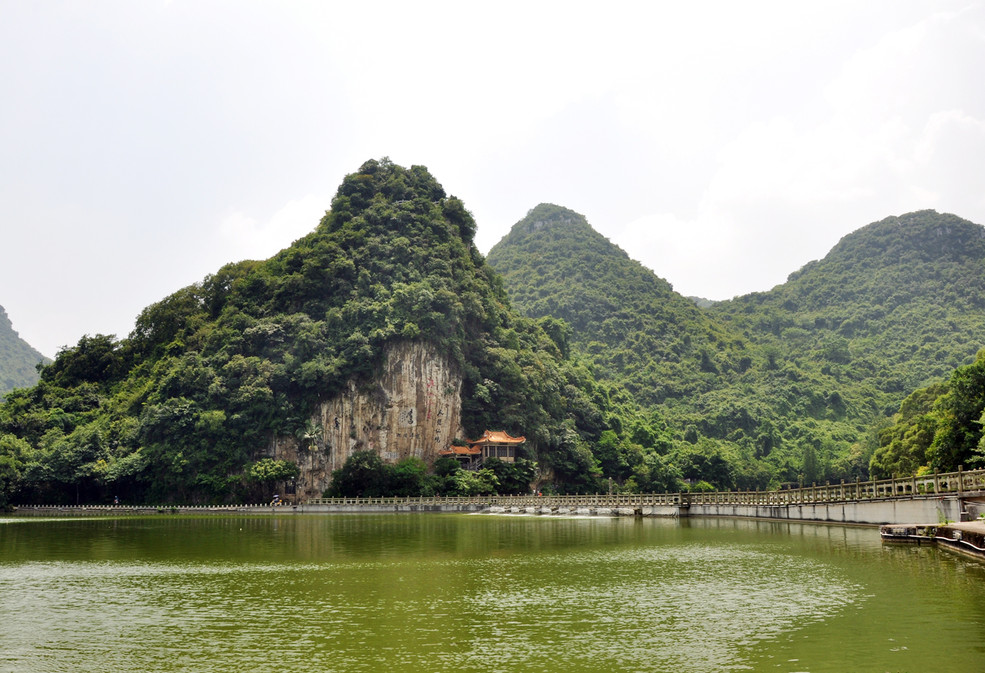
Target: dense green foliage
(182, 408)
(18, 360)
(364, 474)
(938, 428)
(893, 307)
(632, 323)
(782, 386)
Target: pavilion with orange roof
(492, 444)
(497, 444)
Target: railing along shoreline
(927, 486)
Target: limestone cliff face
(412, 410)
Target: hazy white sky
(723, 144)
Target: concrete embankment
(951, 496)
(872, 512)
(139, 510)
(385, 508)
(965, 538)
(341, 508)
(473, 508)
(354, 508)
(588, 510)
(947, 508)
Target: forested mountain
(897, 304)
(18, 360)
(634, 326)
(211, 376)
(784, 385)
(273, 370)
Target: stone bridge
(954, 496)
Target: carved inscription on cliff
(413, 409)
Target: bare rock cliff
(412, 410)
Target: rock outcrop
(413, 409)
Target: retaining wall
(385, 508)
(881, 511)
(871, 512)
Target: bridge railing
(929, 485)
(596, 500)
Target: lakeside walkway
(953, 496)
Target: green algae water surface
(398, 593)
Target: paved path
(971, 526)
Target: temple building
(495, 444)
(492, 444)
(468, 457)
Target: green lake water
(428, 592)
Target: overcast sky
(723, 144)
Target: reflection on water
(478, 593)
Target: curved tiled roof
(459, 451)
(497, 437)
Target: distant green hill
(895, 306)
(659, 344)
(17, 358)
(898, 303)
(701, 302)
(784, 385)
